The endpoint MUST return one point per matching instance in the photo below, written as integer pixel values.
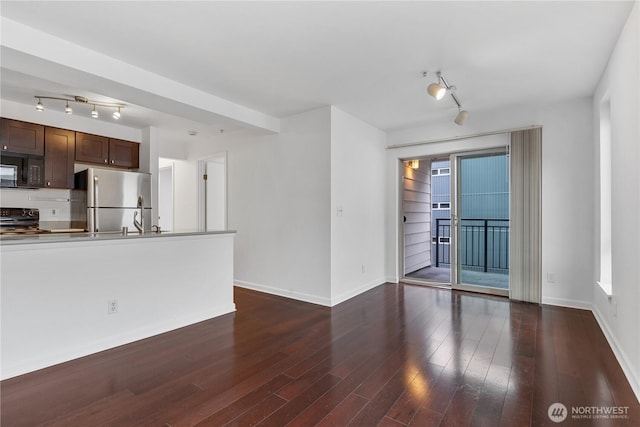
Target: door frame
(173, 192)
(455, 224)
(454, 154)
(403, 278)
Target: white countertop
(19, 239)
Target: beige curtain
(526, 193)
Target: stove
(19, 221)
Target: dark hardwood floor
(396, 355)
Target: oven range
(19, 221)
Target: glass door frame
(456, 225)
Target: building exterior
(484, 213)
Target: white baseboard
(352, 293)
(570, 303)
(300, 296)
(394, 279)
(314, 299)
(53, 357)
(623, 360)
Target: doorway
(213, 193)
(465, 201)
(165, 197)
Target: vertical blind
(526, 215)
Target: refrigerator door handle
(96, 227)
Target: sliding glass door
(480, 221)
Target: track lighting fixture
(439, 90)
(81, 100)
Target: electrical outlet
(54, 212)
(364, 270)
(112, 306)
(551, 278)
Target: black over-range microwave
(21, 170)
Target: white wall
(620, 316)
(567, 193)
(279, 194)
(47, 200)
(358, 169)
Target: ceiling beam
(33, 52)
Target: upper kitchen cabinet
(22, 137)
(92, 148)
(124, 154)
(107, 151)
(60, 150)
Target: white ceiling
(366, 58)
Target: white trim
(621, 356)
(355, 292)
(300, 296)
(457, 138)
(570, 303)
(607, 288)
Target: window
(605, 196)
(440, 171)
(441, 206)
(443, 240)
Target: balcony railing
(484, 244)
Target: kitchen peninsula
(65, 296)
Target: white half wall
(358, 170)
(279, 191)
(59, 311)
(619, 315)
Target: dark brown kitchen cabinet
(125, 154)
(107, 151)
(59, 158)
(92, 148)
(22, 137)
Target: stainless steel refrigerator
(113, 199)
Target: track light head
(39, 106)
(94, 112)
(116, 114)
(437, 91)
(68, 109)
(461, 117)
